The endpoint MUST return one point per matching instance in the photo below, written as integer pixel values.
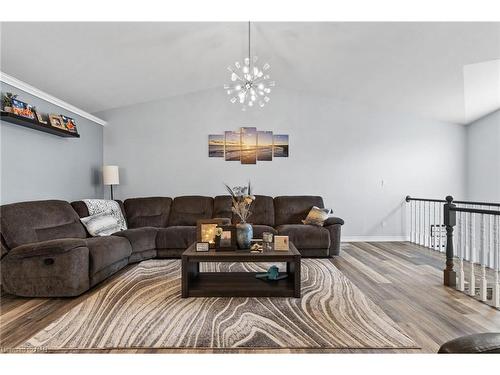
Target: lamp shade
(110, 175)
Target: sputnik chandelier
(250, 85)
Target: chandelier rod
(249, 56)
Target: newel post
(450, 220)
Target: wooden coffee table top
(240, 255)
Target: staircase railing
(454, 230)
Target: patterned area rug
(142, 308)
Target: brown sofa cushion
(262, 210)
(140, 238)
(222, 207)
(187, 210)
(294, 209)
(176, 237)
(148, 212)
(104, 251)
(306, 236)
(36, 221)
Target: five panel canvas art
(248, 145)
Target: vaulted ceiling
(406, 67)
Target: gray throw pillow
(317, 216)
(103, 224)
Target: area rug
(142, 308)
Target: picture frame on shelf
(41, 119)
(69, 124)
(56, 121)
(228, 238)
(22, 109)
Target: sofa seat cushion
(306, 236)
(141, 239)
(259, 229)
(176, 237)
(104, 251)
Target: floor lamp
(110, 176)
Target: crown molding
(49, 98)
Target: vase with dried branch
(242, 200)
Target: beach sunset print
(216, 146)
(280, 148)
(264, 145)
(248, 145)
(233, 146)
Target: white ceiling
(406, 67)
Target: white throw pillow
(316, 216)
(103, 224)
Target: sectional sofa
(46, 251)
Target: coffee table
(239, 284)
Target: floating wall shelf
(34, 124)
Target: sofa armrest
(332, 221)
(141, 239)
(46, 248)
(334, 226)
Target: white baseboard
(375, 238)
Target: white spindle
(415, 222)
(412, 229)
(420, 231)
(460, 252)
(496, 254)
(441, 221)
(429, 245)
(434, 242)
(482, 259)
(472, 276)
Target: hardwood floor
(403, 279)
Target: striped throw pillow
(102, 224)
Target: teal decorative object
(273, 273)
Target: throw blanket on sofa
(97, 206)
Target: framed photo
(57, 122)
(205, 229)
(228, 238)
(22, 109)
(69, 124)
(202, 246)
(281, 243)
(40, 118)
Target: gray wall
(362, 162)
(483, 159)
(36, 165)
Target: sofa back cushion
(294, 209)
(262, 211)
(35, 221)
(222, 207)
(148, 212)
(186, 210)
